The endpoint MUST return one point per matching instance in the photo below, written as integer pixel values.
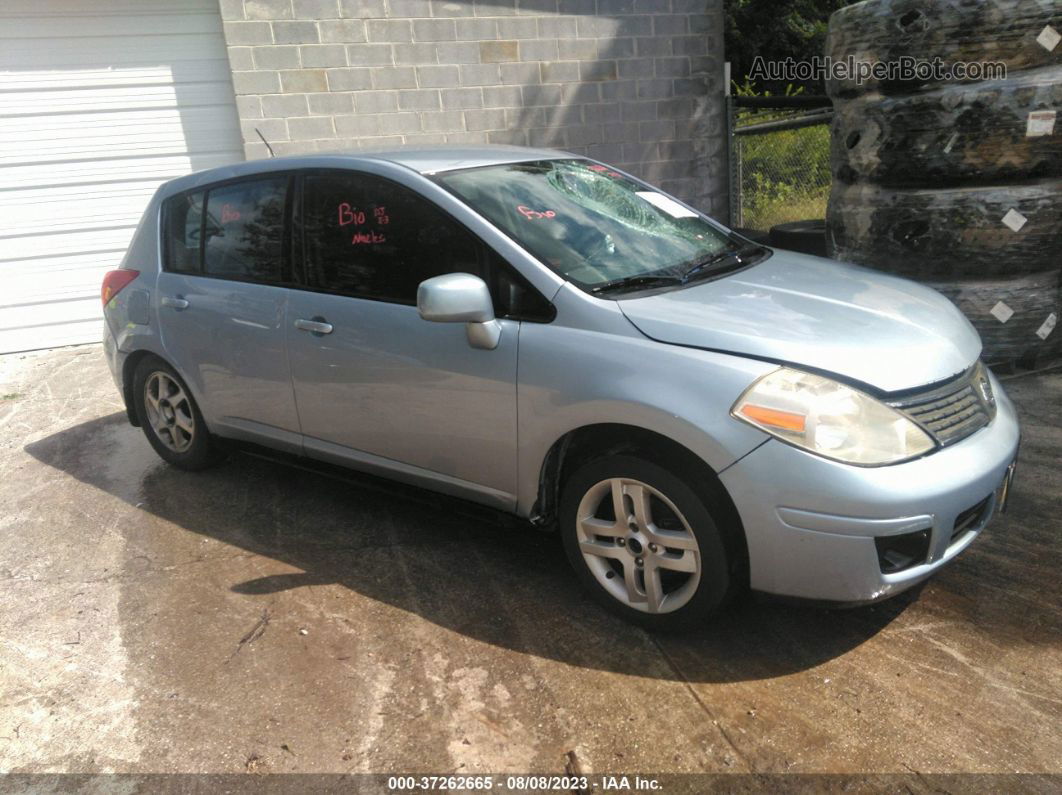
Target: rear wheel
(170, 417)
(644, 543)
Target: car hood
(867, 326)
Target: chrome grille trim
(951, 412)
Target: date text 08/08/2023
(517, 783)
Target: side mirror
(461, 298)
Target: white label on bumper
(1002, 312)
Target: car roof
(422, 159)
(437, 159)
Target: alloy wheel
(638, 545)
(169, 411)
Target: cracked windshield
(591, 224)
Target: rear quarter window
(182, 224)
(231, 231)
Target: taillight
(113, 283)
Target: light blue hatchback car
(551, 337)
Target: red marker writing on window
(604, 170)
(229, 213)
(533, 215)
(361, 238)
(380, 213)
(348, 215)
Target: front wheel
(644, 542)
(170, 417)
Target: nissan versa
(549, 336)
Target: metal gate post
(734, 166)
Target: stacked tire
(956, 184)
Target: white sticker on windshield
(667, 204)
(1001, 312)
(1048, 326)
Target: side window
(182, 219)
(368, 237)
(244, 230)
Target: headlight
(984, 388)
(830, 419)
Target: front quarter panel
(837, 562)
(591, 366)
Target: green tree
(776, 30)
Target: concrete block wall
(636, 83)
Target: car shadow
(425, 554)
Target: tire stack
(956, 184)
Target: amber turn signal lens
(786, 420)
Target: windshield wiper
(732, 257)
(720, 262)
(635, 281)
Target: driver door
(381, 389)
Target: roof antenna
(271, 152)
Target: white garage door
(99, 102)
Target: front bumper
(811, 523)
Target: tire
(170, 418)
(1032, 300)
(884, 31)
(689, 597)
(948, 234)
(949, 135)
(808, 237)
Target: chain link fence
(779, 159)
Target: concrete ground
(258, 618)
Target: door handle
(317, 326)
(176, 303)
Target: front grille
(953, 411)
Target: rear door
(221, 303)
(385, 390)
